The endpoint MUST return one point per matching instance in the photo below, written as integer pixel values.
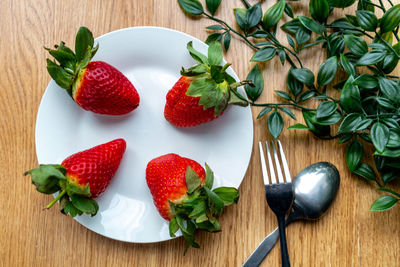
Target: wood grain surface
(349, 235)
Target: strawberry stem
(56, 199)
(235, 85)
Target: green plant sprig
(367, 112)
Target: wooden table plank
(349, 235)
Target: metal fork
(279, 195)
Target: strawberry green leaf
(46, 178)
(73, 189)
(196, 55)
(215, 53)
(84, 204)
(194, 71)
(71, 210)
(199, 86)
(173, 227)
(209, 177)
(229, 195)
(193, 181)
(83, 41)
(215, 203)
(199, 210)
(59, 75)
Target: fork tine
(271, 166)
(263, 164)
(284, 163)
(277, 164)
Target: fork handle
(282, 237)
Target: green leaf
(193, 181)
(394, 138)
(319, 10)
(214, 37)
(282, 56)
(354, 154)
(240, 15)
(216, 204)
(388, 152)
(215, 27)
(390, 19)
(292, 26)
(209, 177)
(288, 112)
(173, 227)
(390, 89)
(347, 66)
(366, 81)
(84, 204)
(212, 5)
(83, 42)
(254, 15)
(229, 195)
(298, 126)
(366, 171)
(327, 71)
(306, 95)
(303, 75)
(350, 123)
(371, 58)
(386, 103)
(293, 84)
(291, 41)
(312, 25)
(340, 3)
(215, 53)
(283, 94)
(344, 138)
(367, 20)
(357, 45)
(264, 54)
(191, 7)
(256, 77)
(390, 62)
(274, 14)
(227, 41)
(196, 55)
(352, 20)
(326, 109)
(303, 35)
(275, 124)
(384, 203)
(332, 119)
(264, 111)
(46, 177)
(59, 75)
(288, 10)
(336, 46)
(350, 99)
(380, 136)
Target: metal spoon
(315, 188)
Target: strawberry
(95, 86)
(80, 178)
(182, 194)
(204, 91)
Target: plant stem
(390, 2)
(232, 30)
(353, 29)
(57, 199)
(246, 4)
(382, 6)
(281, 104)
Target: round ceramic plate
(151, 58)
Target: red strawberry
(204, 91)
(95, 86)
(81, 177)
(181, 191)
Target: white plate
(151, 58)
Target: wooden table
(349, 235)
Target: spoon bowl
(315, 189)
